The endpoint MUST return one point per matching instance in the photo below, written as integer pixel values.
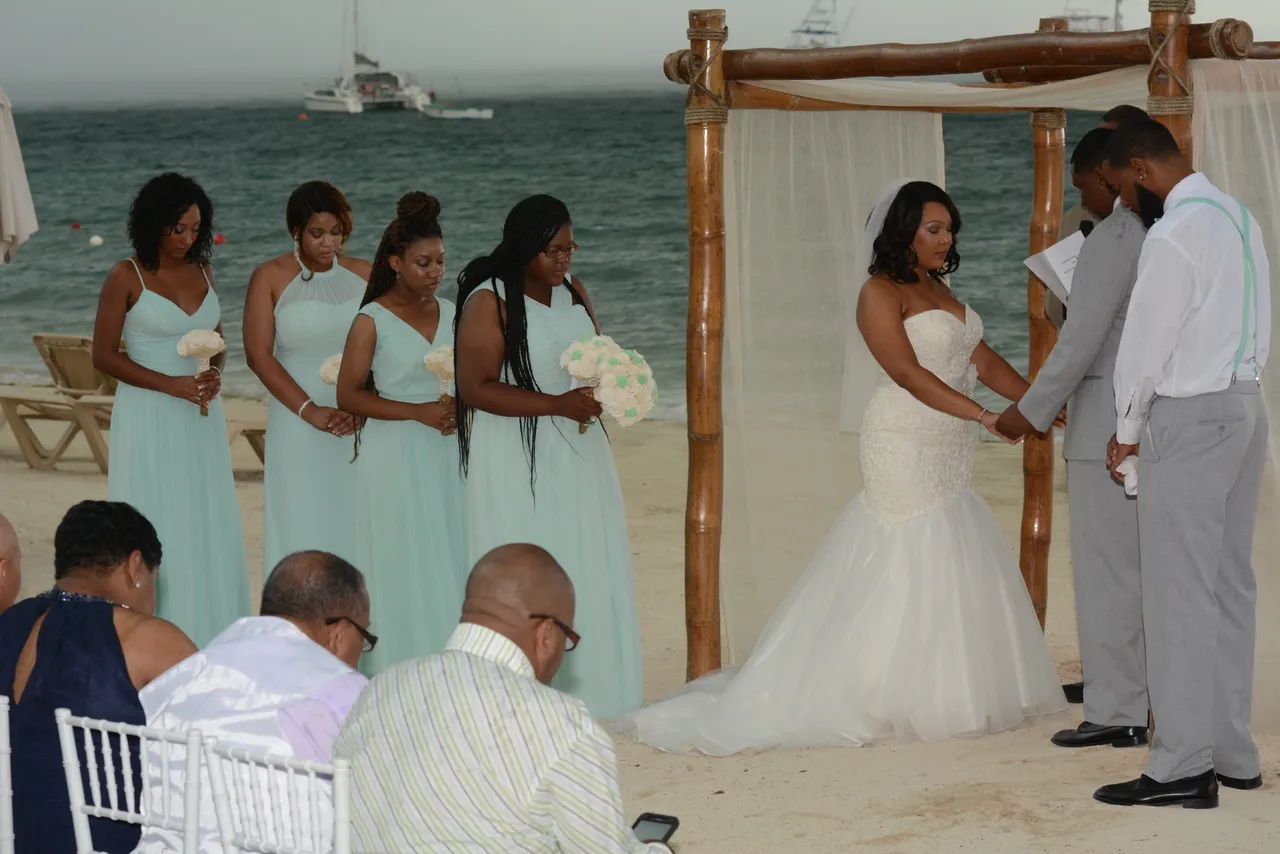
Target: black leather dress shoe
(1074, 692)
(1240, 782)
(1193, 793)
(1097, 735)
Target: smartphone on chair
(652, 827)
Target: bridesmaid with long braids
(297, 314)
(168, 460)
(408, 496)
(530, 475)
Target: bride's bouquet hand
(578, 405)
(988, 420)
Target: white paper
(1056, 265)
(1129, 470)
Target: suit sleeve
(1100, 285)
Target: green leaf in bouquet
(623, 380)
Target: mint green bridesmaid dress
(309, 488)
(410, 537)
(574, 510)
(174, 465)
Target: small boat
(452, 111)
(334, 99)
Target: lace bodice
(914, 457)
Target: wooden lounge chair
(81, 398)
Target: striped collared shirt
(467, 752)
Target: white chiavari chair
(122, 801)
(271, 804)
(6, 781)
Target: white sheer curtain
(798, 189)
(1237, 133)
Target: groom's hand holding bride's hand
(1118, 453)
(1012, 425)
(991, 421)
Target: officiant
(1104, 521)
(1188, 394)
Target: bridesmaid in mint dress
(531, 476)
(167, 460)
(410, 540)
(296, 316)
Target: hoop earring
(307, 273)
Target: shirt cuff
(1129, 430)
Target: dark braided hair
(892, 254)
(159, 205)
(529, 229)
(417, 218)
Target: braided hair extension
(417, 218)
(530, 227)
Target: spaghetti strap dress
(573, 509)
(309, 485)
(410, 536)
(174, 466)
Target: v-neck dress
(410, 536)
(174, 466)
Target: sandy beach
(1005, 793)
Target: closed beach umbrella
(17, 213)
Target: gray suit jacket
(1071, 222)
(1083, 362)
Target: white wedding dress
(912, 620)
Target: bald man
(471, 749)
(10, 564)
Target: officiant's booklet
(1056, 265)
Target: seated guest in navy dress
(88, 645)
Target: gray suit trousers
(1108, 581)
(1199, 474)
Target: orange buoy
(218, 240)
(75, 226)
(302, 117)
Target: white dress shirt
(466, 751)
(1184, 325)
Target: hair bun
(418, 205)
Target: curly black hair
(97, 536)
(159, 205)
(530, 227)
(892, 254)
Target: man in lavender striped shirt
(470, 750)
(282, 682)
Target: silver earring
(307, 274)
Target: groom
(1188, 390)
(1104, 521)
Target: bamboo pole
(1049, 141)
(705, 118)
(1265, 50)
(969, 56)
(1169, 84)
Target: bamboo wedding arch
(721, 80)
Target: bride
(912, 621)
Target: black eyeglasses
(370, 639)
(555, 253)
(571, 638)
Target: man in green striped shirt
(470, 750)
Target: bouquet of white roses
(440, 362)
(621, 380)
(203, 345)
(329, 370)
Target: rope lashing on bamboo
(1049, 119)
(1217, 43)
(1174, 106)
(716, 112)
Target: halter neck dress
(174, 466)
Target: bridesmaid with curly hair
(167, 459)
(410, 540)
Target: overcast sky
(89, 49)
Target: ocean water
(618, 162)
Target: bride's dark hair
(891, 253)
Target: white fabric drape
(17, 214)
(798, 188)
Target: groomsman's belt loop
(1250, 280)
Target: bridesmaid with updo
(410, 541)
(296, 316)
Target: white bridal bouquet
(329, 370)
(203, 345)
(440, 362)
(621, 380)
